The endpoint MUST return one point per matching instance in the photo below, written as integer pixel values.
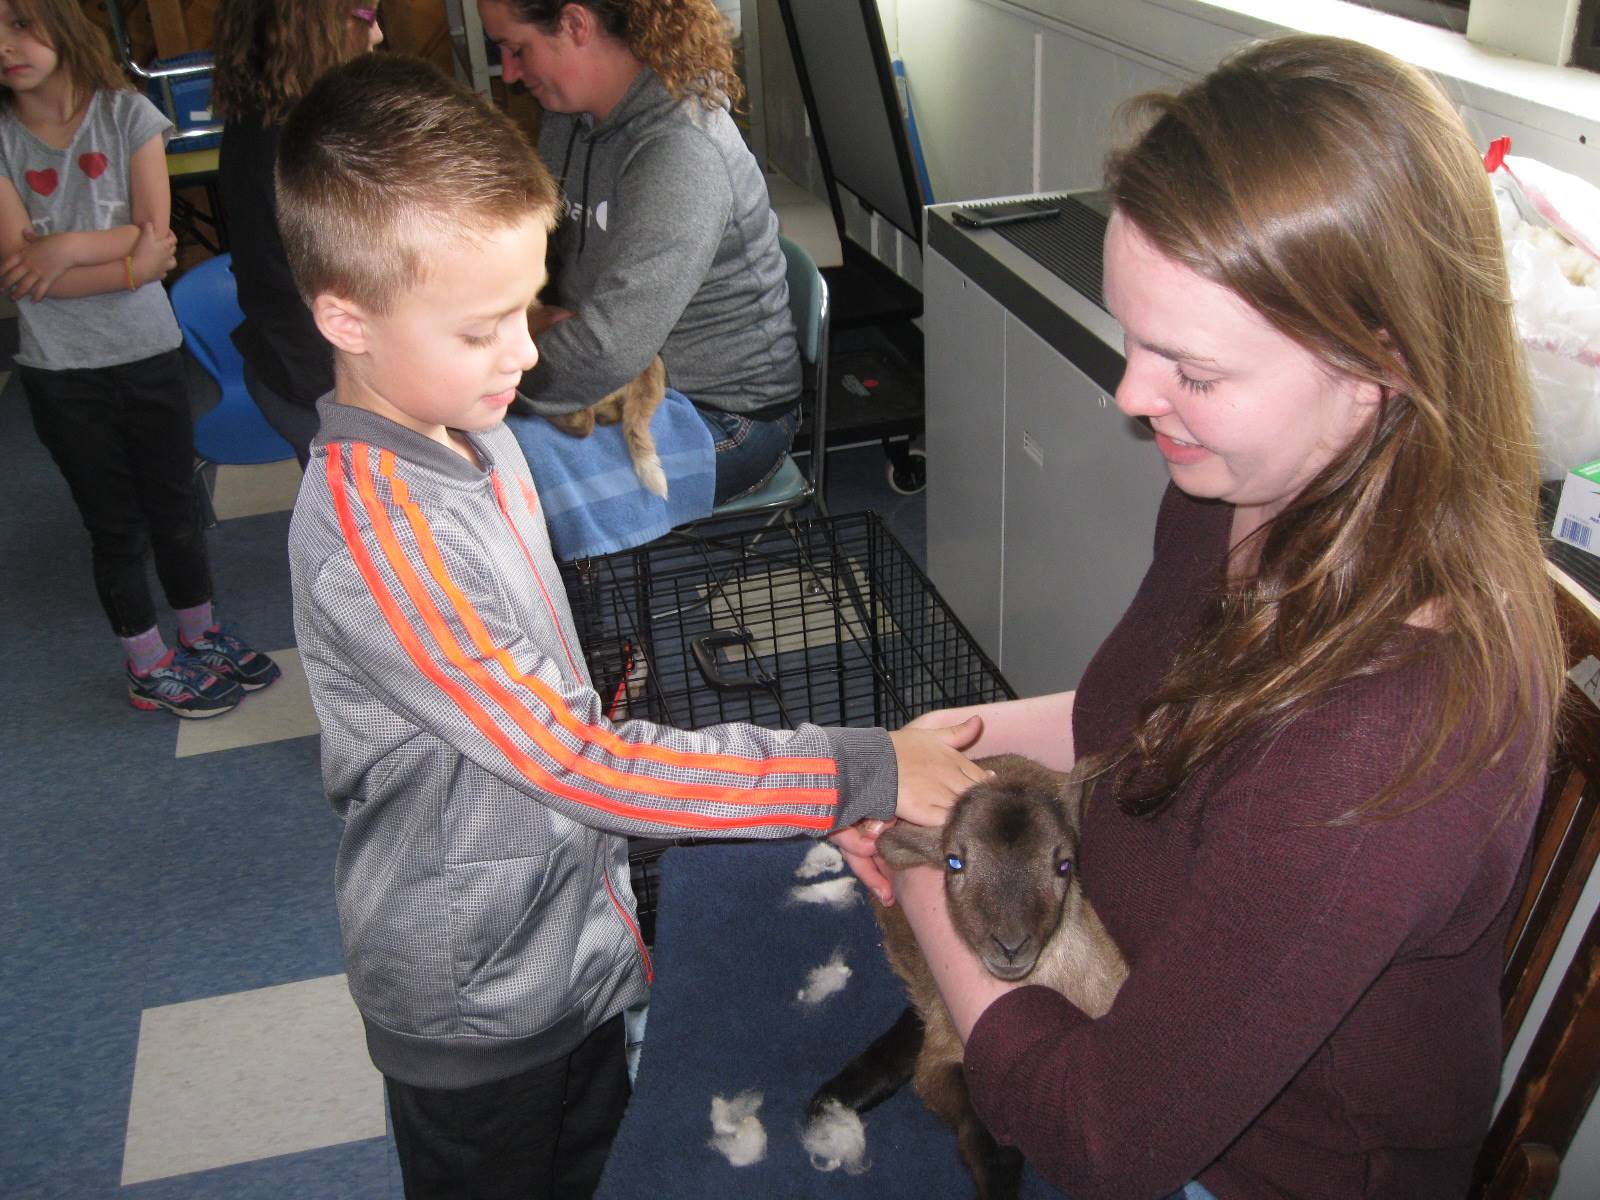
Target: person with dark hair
(268, 53)
(668, 243)
(1318, 736)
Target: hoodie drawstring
(566, 163)
(583, 231)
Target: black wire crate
(828, 621)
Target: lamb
(1008, 851)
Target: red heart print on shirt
(43, 182)
(93, 164)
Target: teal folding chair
(793, 487)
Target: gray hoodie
(669, 245)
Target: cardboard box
(1578, 517)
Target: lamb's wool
(839, 893)
(825, 980)
(737, 1133)
(836, 1138)
(821, 859)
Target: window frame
(1445, 14)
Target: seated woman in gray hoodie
(669, 245)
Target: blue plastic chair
(207, 305)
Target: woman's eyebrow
(1176, 353)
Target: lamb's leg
(878, 1072)
(995, 1169)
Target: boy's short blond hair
(384, 159)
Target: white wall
(1016, 96)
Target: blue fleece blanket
(593, 502)
(733, 949)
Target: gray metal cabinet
(1042, 496)
(964, 336)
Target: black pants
(123, 438)
(295, 423)
(543, 1133)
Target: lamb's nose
(1011, 952)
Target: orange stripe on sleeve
(396, 620)
(605, 739)
(520, 716)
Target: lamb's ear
(1077, 785)
(906, 845)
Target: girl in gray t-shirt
(84, 243)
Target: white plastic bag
(1550, 222)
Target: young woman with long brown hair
(669, 245)
(268, 54)
(1324, 718)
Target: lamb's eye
(1064, 868)
(954, 863)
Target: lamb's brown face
(1010, 849)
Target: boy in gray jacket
(482, 881)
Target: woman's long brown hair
(268, 53)
(685, 42)
(1335, 190)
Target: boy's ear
(342, 322)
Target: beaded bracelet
(127, 262)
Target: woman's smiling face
(1241, 412)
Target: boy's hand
(933, 771)
(154, 254)
(31, 271)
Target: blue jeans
(748, 452)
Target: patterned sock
(192, 622)
(145, 650)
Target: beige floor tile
(235, 1078)
(273, 714)
(250, 491)
(805, 219)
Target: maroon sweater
(1312, 1010)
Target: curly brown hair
(685, 42)
(268, 53)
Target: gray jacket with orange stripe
(482, 880)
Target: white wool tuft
(836, 1138)
(826, 980)
(839, 893)
(821, 859)
(737, 1133)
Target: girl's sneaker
(217, 650)
(182, 687)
